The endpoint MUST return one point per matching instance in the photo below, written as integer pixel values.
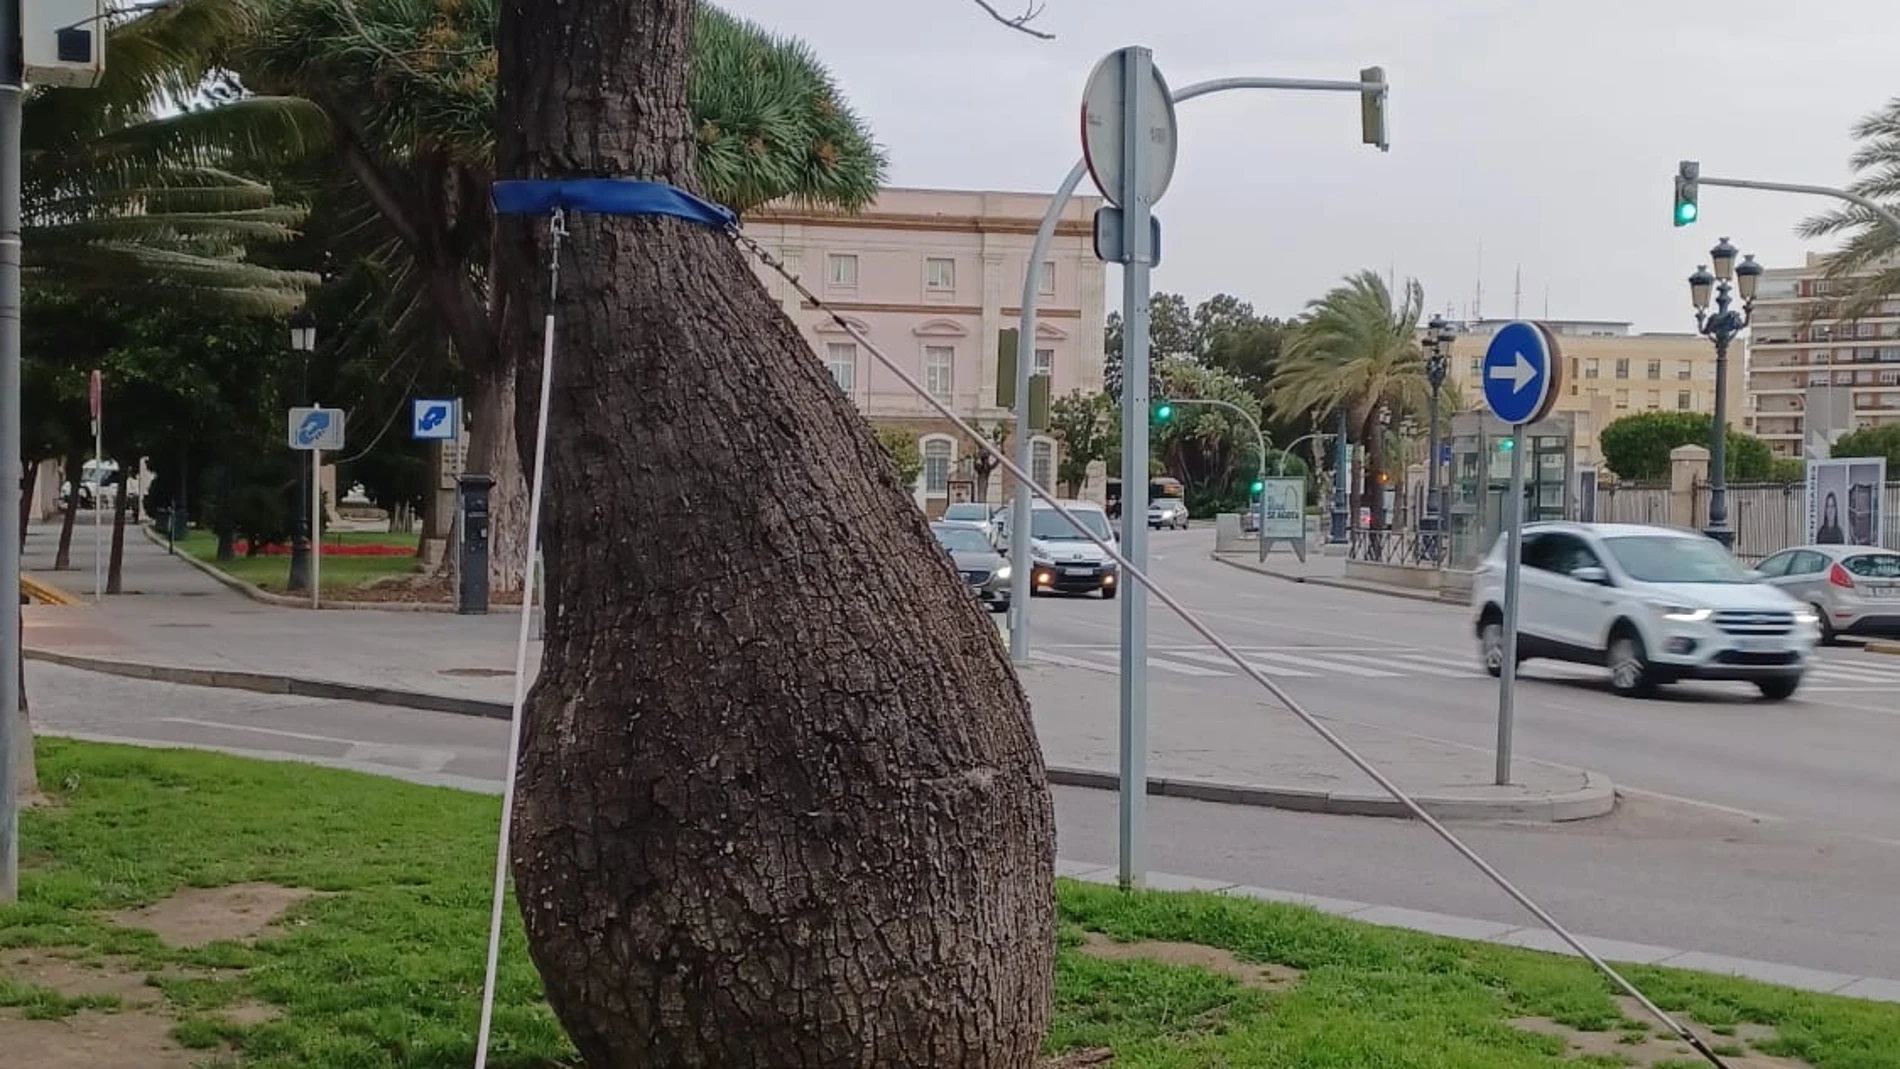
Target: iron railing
(1416, 549)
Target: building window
(1684, 370)
(940, 273)
(1654, 400)
(1589, 369)
(1655, 369)
(1683, 400)
(1477, 365)
(939, 455)
(1046, 279)
(841, 359)
(841, 269)
(1042, 462)
(939, 363)
(1622, 367)
(1622, 398)
(1045, 362)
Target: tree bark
(25, 774)
(29, 482)
(492, 451)
(115, 565)
(75, 471)
(780, 798)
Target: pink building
(931, 276)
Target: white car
(1062, 558)
(1168, 512)
(1652, 604)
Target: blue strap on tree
(608, 196)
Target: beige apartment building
(930, 276)
(1610, 372)
(1813, 378)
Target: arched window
(940, 454)
(1042, 462)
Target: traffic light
(1256, 486)
(1505, 445)
(1688, 172)
(1163, 411)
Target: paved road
(1657, 872)
(1830, 756)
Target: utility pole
(12, 92)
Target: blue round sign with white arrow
(1521, 373)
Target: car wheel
(1491, 646)
(1779, 688)
(1828, 635)
(1629, 665)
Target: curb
(1892, 649)
(1596, 798)
(285, 601)
(43, 593)
(1337, 584)
(1471, 929)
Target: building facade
(931, 277)
(1611, 372)
(1811, 377)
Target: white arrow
(1520, 374)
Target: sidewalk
(1320, 570)
(181, 626)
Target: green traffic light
(1685, 213)
(1505, 445)
(1257, 486)
(1163, 411)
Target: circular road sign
(1102, 104)
(1523, 372)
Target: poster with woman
(1844, 501)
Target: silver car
(974, 513)
(1168, 512)
(977, 561)
(1854, 589)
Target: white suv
(1652, 604)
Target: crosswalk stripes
(1828, 671)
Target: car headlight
(1003, 572)
(1805, 617)
(1684, 614)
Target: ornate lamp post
(1721, 328)
(1439, 337)
(303, 340)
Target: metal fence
(1633, 503)
(1768, 517)
(1396, 546)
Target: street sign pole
(316, 527)
(318, 430)
(1513, 565)
(1129, 146)
(1523, 377)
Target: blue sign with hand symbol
(317, 428)
(433, 420)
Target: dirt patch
(77, 979)
(248, 1014)
(1078, 1059)
(200, 915)
(1264, 977)
(1653, 1045)
(89, 1040)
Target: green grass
(335, 573)
(383, 972)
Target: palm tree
(119, 199)
(1876, 165)
(1357, 351)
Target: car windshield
(1049, 526)
(961, 539)
(1166, 503)
(967, 513)
(1662, 559)
(1874, 565)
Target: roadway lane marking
(1115, 668)
(1429, 664)
(1273, 658)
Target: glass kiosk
(1480, 479)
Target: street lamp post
(1342, 474)
(303, 340)
(1437, 361)
(1721, 328)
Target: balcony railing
(1417, 549)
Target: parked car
(977, 561)
(1061, 557)
(974, 513)
(1654, 605)
(1854, 590)
(1168, 512)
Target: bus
(1159, 488)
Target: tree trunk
(29, 482)
(75, 470)
(755, 828)
(492, 451)
(115, 566)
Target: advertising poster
(1844, 501)
(1284, 508)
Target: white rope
(557, 229)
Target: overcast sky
(1547, 132)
